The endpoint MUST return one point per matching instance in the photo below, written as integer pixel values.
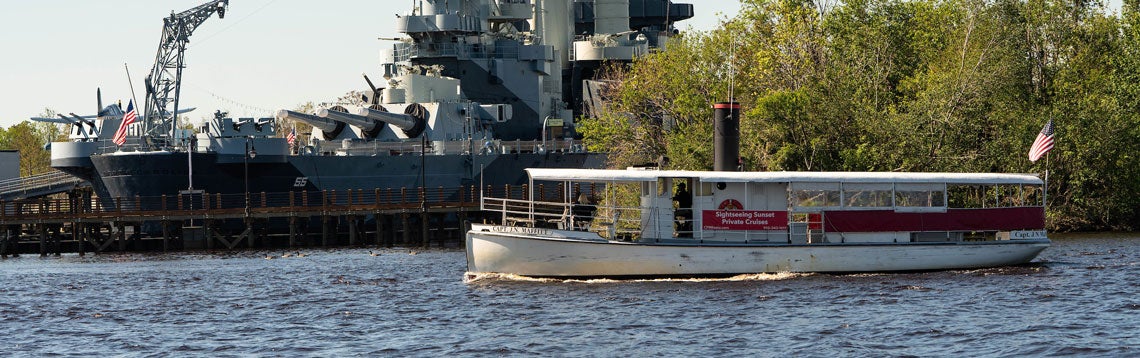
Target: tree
(30, 140)
(956, 85)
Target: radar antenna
(163, 84)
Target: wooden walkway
(82, 223)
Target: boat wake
(471, 277)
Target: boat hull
(556, 253)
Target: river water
(1078, 298)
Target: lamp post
(250, 152)
(423, 190)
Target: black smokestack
(726, 140)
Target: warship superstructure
(474, 93)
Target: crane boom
(163, 84)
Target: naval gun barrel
(402, 121)
(367, 125)
(328, 127)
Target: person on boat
(684, 213)
(583, 210)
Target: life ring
(730, 204)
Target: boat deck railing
(608, 221)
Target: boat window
(994, 196)
(1010, 195)
(920, 195)
(667, 187)
(704, 189)
(967, 196)
(815, 194)
(1032, 194)
(867, 195)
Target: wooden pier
(83, 223)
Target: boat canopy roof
(642, 175)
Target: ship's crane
(163, 84)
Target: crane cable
(235, 23)
(223, 30)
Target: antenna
(731, 69)
(131, 83)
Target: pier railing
(40, 184)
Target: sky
(263, 56)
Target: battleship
(474, 92)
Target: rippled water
(1079, 299)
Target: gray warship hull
(154, 174)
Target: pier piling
(4, 242)
(41, 230)
(325, 230)
(352, 229)
(292, 232)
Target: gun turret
(330, 129)
(413, 123)
(368, 126)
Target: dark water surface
(1079, 298)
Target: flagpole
(1045, 192)
(190, 163)
(130, 83)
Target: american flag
(292, 136)
(1043, 144)
(128, 119)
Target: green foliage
(893, 85)
(30, 140)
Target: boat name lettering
(521, 230)
(1027, 234)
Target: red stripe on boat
(991, 219)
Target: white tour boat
(626, 223)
